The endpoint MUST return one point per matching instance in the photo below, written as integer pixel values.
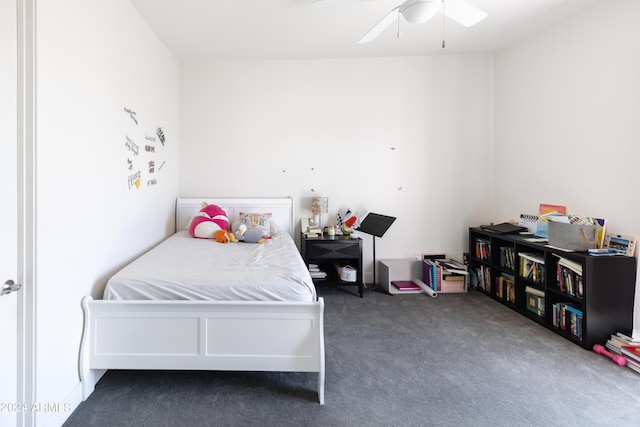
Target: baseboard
(54, 414)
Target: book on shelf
(546, 210)
(437, 279)
(531, 266)
(507, 257)
(571, 265)
(405, 285)
(505, 287)
(534, 291)
(483, 274)
(315, 272)
(445, 275)
(483, 249)
(569, 275)
(308, 228)
(535, 300)
(602, 252)
(318, 274)
(432, 274)
(451, 266)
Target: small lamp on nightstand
(319, 205)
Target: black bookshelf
(585, 309)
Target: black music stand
(376, 225)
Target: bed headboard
(281, 209)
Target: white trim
(27, 150)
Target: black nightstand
(328, 251)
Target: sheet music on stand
(376, 225)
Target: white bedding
(185, 268)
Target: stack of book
(309, 229)
(626, 346)
(315, 272)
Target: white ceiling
(294, 29)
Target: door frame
(26, 227)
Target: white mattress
(186, 268)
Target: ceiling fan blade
(380, 26)
(463, 13)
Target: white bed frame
(205, 335)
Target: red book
(632, 352)
(405, 285)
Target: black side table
(329, 251)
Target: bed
(165, 311)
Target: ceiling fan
(420, 11)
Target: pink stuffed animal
(209, 220)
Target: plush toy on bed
(209, 220)
(223, 236)
(243, 234)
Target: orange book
(543, 223)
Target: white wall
(567, 124)
(567, 97)
(396, 136)
(93, 60)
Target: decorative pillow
(209, 220)
(257, 221)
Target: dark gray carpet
(407, 360)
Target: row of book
(568, 318)
(569, 276)
(445, 275)
(483, 249)
(531, 267)
(506, 287)
(626, 346)
(508, 257)
(483, 275)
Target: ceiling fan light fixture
(419, 11)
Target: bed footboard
(202, 335)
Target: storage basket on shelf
(574, 237)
